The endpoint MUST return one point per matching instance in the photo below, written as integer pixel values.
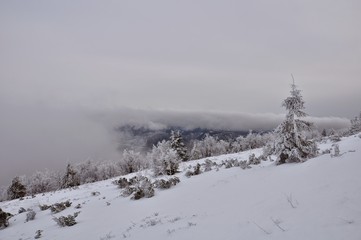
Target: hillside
(318, 199)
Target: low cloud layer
(158, 119)
(34, 137)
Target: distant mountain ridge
(143, 138)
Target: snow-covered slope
(318, 199)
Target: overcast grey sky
(188, 55)
(60, 59)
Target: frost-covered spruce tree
(355, 125)
(176, 141)
(291, 144)
(17, 189)
(71, 178)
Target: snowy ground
(318, 199)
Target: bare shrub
(58, 207)
(44, 207)
(4, 218)
(166, 184)
(38, 234)
(30, 215)
(66, 221)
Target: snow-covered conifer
(355, 125)
(324, 133)
(17, 189)
(176, 141)
(71, 178)
(291, 144)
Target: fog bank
(35, 137)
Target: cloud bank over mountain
(37, 137)
(160, 119)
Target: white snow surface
(317, 199)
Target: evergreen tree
(291, 144)
(355, 125)
(324, 133)
(16, 189)
(70, 178)
(177, 144)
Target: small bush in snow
(44, 207)
(95, 193)
(196, 171)
(38, 234)
(128, 191)
(152, 223)
(22, 210)
(189, 173)
(262, 157)
(136, 179)
(253, 160)
(327, 151)
(58, 207)
(208, 165)
(4, 218)
(230, 163)
(141, 187)
(30, 215)
(144, 189)
(108, 236)
(335, 138)
(244, 164)
(336, 150)
(166, 184)
(123, 183)
(66, 221)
